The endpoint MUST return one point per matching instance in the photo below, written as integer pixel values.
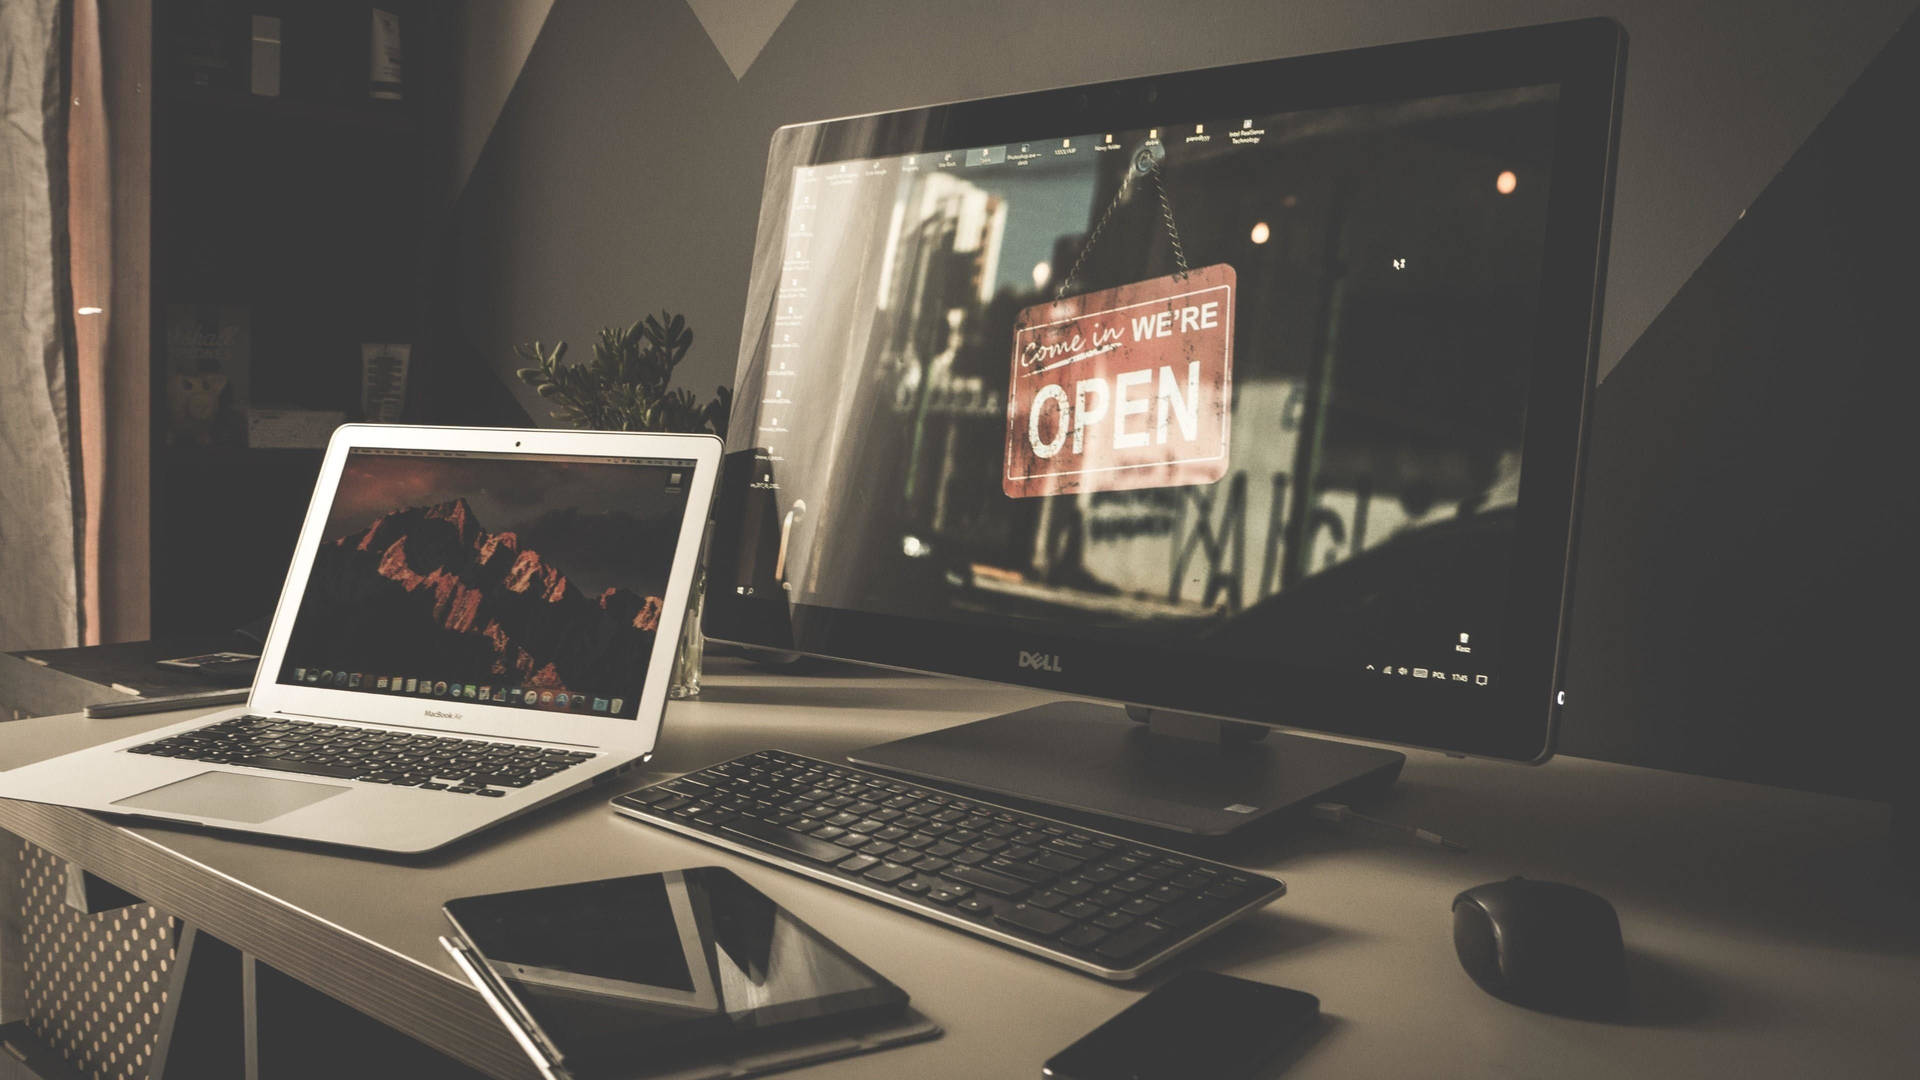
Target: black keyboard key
(806, 847)
(1032, 875)
(997, 884)
(947, 892)
(917, 886)
(888, 873)
(305, 768)
(1049, 900)
(1127, 944)
(1083, 937)
(1190, 913)
(1139, 906)
(1079, 909)
(859, 863)
(932, 864)
(1033, 920)
(973, 905)
(491, 793)
(1056, 862)
(1113, 920)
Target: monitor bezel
(1514, 718)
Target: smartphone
(1197, 1024)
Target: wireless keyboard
(1098, 903)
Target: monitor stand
(1178, 773)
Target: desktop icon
(440, 688)
(599, 704)
(472, 692)
(353, 679)
(579, 703)
(380, 683)
(299, 674)
(1480, 679)
(615, 704)
(1419, 673)
(546, 697)
(411, 684)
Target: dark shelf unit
(319, 212)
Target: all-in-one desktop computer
(1245, 397)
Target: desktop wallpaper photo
(533, 581)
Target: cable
(1338, 813)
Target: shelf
(388, 117)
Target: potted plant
(628, 386)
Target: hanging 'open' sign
(1123, 388)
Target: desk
(1768, 937)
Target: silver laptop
(476, 621)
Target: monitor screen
(1221, 377)
(522, 580)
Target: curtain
(39, 584)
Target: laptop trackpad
(232, 796)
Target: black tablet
(658, 973)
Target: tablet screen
(631, 975)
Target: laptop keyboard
(375, 756)
(1101, 903)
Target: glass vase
(686, 660)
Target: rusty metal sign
(1123, 388)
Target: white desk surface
(1767, 934)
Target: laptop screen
(528, 581)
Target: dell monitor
(1254, 394)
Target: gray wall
(623, 173)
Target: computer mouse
(1543, 945)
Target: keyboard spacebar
(307, 767)
(798, 843)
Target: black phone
(1199, 1023)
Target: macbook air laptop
(476, 621)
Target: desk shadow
(1663, 992)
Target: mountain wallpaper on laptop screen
(429, 591)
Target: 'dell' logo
(1039, 661)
